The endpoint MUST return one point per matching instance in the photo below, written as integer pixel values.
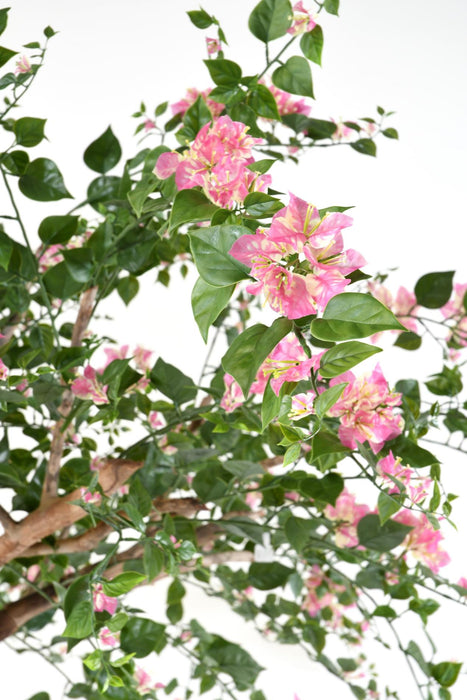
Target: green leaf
(270, 406)
(16, 162)
(434, 289)
(43, 181)
(294, 76)
(365, 146)
(223, 72)
(298, 532)
(247, 352)
(382, 538)
(195, 117)
(326, 443)
(332, 6)
(268, 576)
(139, 194)
(103, 189)
(387, 506)
(29, 131)
(414, 651)
(172, 382)
(328, 398)
(58, 229)
(384, 611)
(445, 383)
(128, 288)
(49, 32)
(6, 249)
(59, 283)
(153, 560)
(326, 489)
(80, 264)
(235, 661)
(446, 673)
(311, 44)
(270, 19)
(190, 206)
(456, 420)
(262, 101)
(5, 55)
(200, 18)
(408, 341)
(260, 204)
(210, 248)
(175, 592)
(207, 303)
(103, 153)
(353, 315)
(3, 23)
(140, 636)
(342, 357)
(78, 609)
(39, 696)
(390, 133)
(412, 454)
(122, 583)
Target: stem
(276, 57)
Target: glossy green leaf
(261, 205)
(412, 454)
(270, 406)
(331, 6)
(294, 76)
(79, 263)
(382, 538)
(29, 131)
(408, 341)
(390, 133)
(365, 146)
(141, 636)
(140, 193)
(43, 181)
(328, 398)
(270, 19)
(434, 289)
(210, 248)
(268, 576)
(326, 443)
(172, 382)
(103, 189)
(59, 283)
(58, 229)
(262, 101)
(311, 44)
(207, 303)
(122, 583)
(103, 153)
(236, 662)
(5, 55)
(342, 357)
(223, 72)
(353, 315)
(298, 532)
(448, 382)
(196, 116)
(387, 506)
(78, 609)
(15, 162)
(446, 673)
(6, 249)
(200, 18)
(190, 205)
(247, 352)
(127, 288)
(326, 490)
(3, 19)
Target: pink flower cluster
(456, 312)
(288, 362)
(216, 161)
(103, 602)
(3, 370)
(287, 103)
(302, 20)
(299, 262)
(213, 45)
(22, 65)
(346, 514)
(145, 682)
(366, 410)
(393, 471)
(180, 107)
(322, 593)
(88, 386)
(403, 305)
(423, 542)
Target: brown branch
(61, 512)
(50, 486)
(6, 520)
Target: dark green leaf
(270, 406)
(153, 560)
(353, 315)
(223, 72)
(128, 288)
(298, 532)
(3, 23)
(210, 248)
(58, 229)
(387, 506)
(39, 696)
(270, 19)
(49, 32)
(456, 420)
(78, 609)
(342, 357)
(294, 76)
(326, 490)
(59, 282)
(235, 661)
(43, 181)
(446, 673)
(5, 55)
(382, 538)
(140, 636)
(16, 162)
(139, 194)
(311, 44)
(190, 206)
(268, 576)
(79, 262)
(445, 383)
(247, 352)
(207, 303)
(408, 341)
(200, 18)
(365, 146)
(331, 6)
(434, 289)
(328, 398)
(29, 131)
(195, 117)
(103, 153)
(326, 443)
(172, 382)
(262, 101)
(103, 189)
(390, 133)
(260, 204)
(384, 611)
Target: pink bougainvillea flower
(93, 498)
(103, 602)
(233, 395)
(342, 132)
(97, 463)
(462, 582)
(302, 20)
(33, 572)
(346, 514)
(366, 410)
(213, 45)
(180, 107)
(302, 405)
(149, 124)
(115, 354)
(393, 471)
(108, 638)
(142, 358)
(288, 362)
(22, 65)
(285, 291)
(423, 542)
(155, 420)
(455, 311)
(403, 305)
(287, 103)
(89, 387)
(3, 370)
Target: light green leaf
(210, 248)
(342, 357)
(294, 76)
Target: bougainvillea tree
(288, 480)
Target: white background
(409, 202)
